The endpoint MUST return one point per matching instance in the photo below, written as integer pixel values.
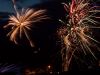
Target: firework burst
(77, 32)
(22, 23)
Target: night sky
(46, 50)
(6, 5)
(43, 34)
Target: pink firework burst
(77, 32)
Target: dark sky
(6, 5)
(43, 35)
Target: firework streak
(6, 68)
(76, 33)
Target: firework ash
(22, 23)
(76, 34)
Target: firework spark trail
(22, 23)
(7, 68)
(14, 5)
(81, 14)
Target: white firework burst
(22, 22)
